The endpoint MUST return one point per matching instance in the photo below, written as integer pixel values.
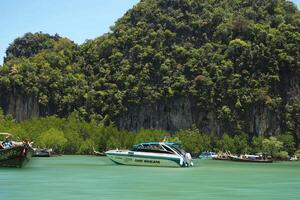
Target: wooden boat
(246, 158)
(17, 155)
(42, 152)
(98, 153)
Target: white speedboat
(294, 158)
(207, 155)
(162, 154)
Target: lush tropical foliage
(72, 135)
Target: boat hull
(146, 159)
(221, 158)
(41, 153)
(15, 157)
(237, 159)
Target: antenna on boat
(165, 139)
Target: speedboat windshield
(178, 149)
(150, 147)
(157, 147)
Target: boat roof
(156, 143)
(8, 134)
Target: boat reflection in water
(162, 154)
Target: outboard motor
(188, 159)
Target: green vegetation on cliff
(45, 67)
(230, 57)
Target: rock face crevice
(171, 115)
(293, 98)
(262, 121)
(23, 108)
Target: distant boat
(250, 158)
(294, 158)
(98, 153)
(207, 155)
(163, 154)
(244, 158)
(42, 152)
(15, 156)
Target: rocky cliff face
(182, 112)
(22, 108)
(172, 115)
(293, 98)
(262, 121)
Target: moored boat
(42, 152)
(294, 158)
(207, 155)
(98, 153)
(16, 154)
(250, 158)
(163, 154)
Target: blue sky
(76, 19)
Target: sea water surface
(89, 178)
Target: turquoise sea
(91, 178)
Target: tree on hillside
(52, 138)
(272, 146)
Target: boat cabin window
(168, 149)
(154, 148)
(178, 149)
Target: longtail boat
(250, 158)
(15, 156)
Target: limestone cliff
(22, 107)
(182, 112)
